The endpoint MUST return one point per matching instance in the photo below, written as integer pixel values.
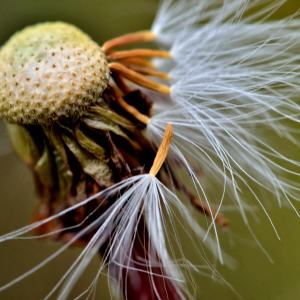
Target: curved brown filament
(129, 108)
(139, 79)
(120, 82)
(139, 53)
(206, 210)
(138, 62)
(150, 72)
(128, 39)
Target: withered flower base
(81, 130)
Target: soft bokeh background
(254, 277)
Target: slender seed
(119, 80)
(129, 108)
(139, 78)
(138, 61)
(162, 151)
(128, 39)
(139, 53)
(150, 72)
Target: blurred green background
(254, 277)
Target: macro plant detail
(119, 141)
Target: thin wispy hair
(233, 82)
(144, 196)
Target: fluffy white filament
(234, 84)
(144, 196)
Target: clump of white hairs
(142, 196)
(234, 81)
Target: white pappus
(235, 80)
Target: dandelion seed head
(48, 72)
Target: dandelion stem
(162, 151)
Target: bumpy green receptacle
(50, 71)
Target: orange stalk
(138, 61)
(129, 108)
(150, 72)
(138, 53)
(128, 39)
(139, 79)
(162, 151)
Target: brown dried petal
(111, 115)
(104, 124)
(58, 144)
(92, 147)
(23, 144)
(97, 169)
(65, 177)
(44, 169)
